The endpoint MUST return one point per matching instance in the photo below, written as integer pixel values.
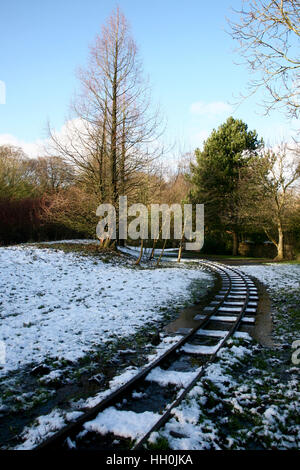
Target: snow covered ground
(61, 305)
(86, 241)
(275, 276)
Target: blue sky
(185, 50)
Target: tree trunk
(180, 247)
(102, 155)
(114, 128)
(280, 245)
(235, 246)
(162, 252)
(153, 249)
(122, 178)
(106, 243)
(123, 156)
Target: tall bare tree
(268, 32)
(114, 138)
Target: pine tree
(216, 174)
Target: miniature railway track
(234, 305)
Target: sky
(185, 48)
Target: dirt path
(262, 331)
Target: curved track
(153, 393)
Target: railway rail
(234, 305)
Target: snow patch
(165, 377)
(126, 424)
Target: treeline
(250, 194)
(48, 198)
(28, 188)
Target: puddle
(186, 318)
(153, 398)
(94, 441)
(218, 325)
(204, 340)
(184, 363)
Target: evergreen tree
(216, 174)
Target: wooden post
(141, 253)
(162, 252)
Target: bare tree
(115, 136)
(268, 193)
(268, 32)
(50, 174)
(72, 208)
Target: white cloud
(32, 149)
(41, 147)
(215, 108)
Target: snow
(185, 423)
(165, 377)
(146, 251)
(200, 349)
(229, 309)
(231, 318)
(213, 333)
(45, 427)
(223, 318)
(79, 242)
(222, 334)
(52, 376)
(242, 335)
(61, 305)
(270, 414)
(126, 424)
(276, 276)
